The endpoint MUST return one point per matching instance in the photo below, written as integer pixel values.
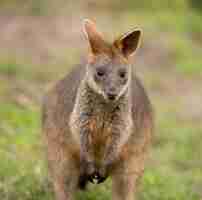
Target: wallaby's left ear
(128, 42)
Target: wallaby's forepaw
(90, 172)
(97, 178)
(104, 171)
(100, 174)
(87, 168)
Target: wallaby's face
(109, 77)
(109, 70)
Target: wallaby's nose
(111, 96)
(111, 93)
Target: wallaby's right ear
(95, 38)
(129, 42)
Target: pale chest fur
(103, 121)
(102, 124)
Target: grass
(182, 32)
(174, 173)
(21, 170)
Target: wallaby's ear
(128, 42)
(95, 38)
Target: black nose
(111, 96)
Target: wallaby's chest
(100, 124)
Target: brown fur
(85, 135)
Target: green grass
(10, 68)
(182, 33)
(174, 175)
(22, 168)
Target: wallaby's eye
(100, 72)
(122, 74)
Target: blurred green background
(40, 40)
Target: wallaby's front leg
(86, 153)
(115, 142)
(112, 148)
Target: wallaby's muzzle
(111, 96)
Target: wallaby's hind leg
(125, 179)
(65, 185)
(123, 186)
(63, 170)
(64, 175)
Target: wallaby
(97, 121)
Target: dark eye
(100, 72)
(122, 74)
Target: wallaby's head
(109, 70)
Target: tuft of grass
(12, 67)
(98, 192)
(9, 68)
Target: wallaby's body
(98, 121)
